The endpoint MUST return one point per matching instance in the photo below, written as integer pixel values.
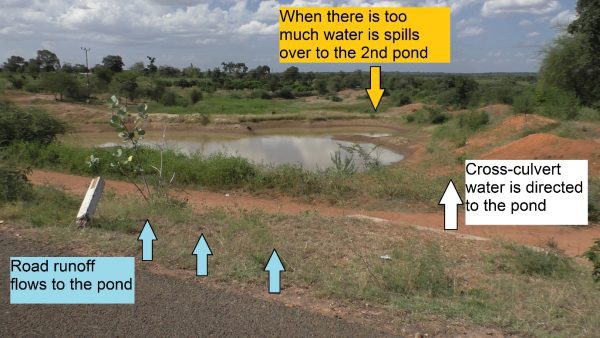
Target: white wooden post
(90, 201)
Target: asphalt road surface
(165, 307)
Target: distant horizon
(488, 36)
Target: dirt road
(573, 240)
(165, 307)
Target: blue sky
(487, 35)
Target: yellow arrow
(375, 92)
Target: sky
(487, 35)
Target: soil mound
(547, 146)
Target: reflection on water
(312, 152)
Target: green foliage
(524, 103)
(557, 103)
(428, 115)
(17, 82)
(401, 99)
(526, 261)
(413, 271)
(460, 90)
(31, 125)
(473, 120)
(588, 114)
(14, 185)
(344, 164)
(593, 255)
(195, 96)
(169, 98)
(113, 62)
(62, 84)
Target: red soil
(573, 240)
(547, 146)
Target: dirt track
(165, 307)
(573, 240)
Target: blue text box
(111, 280)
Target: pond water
(311, 151)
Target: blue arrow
(147, 237)
(202, 251)
(274, 267)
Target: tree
(49, 62)
(14, 64)
(151, 69)
(138, 67)
(291, 75)
(103, 76)
(62, 84)
(168, 71)
(126, 85)
(588, 23)
(192, 71)
(33, 68)
(114, 63)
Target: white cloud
(467, 22)
(525, 23)
(256, 27)
(532, 34)
(470, 31)
(507, 7)
(564, 18)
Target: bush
(428, 115)
(593, 255)
(526, 261)
(557, 103)
(13, 184)
(31, 125)
(16, 82)
(169, 98)
(524, 104)
(473, 120)
(401, 99)
(260, 94)
(195, 96)
(285, 93)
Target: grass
(239, 103)
(428, 277)
(219, 172)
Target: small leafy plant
(593, 255)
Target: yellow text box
(364, 34)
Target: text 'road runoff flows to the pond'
(524, 192)
(360, 34)
(72, 280)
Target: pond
(312, 151)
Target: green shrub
(428, 115)
(195, 96)
(588, 114)
(13, 184)
(169, 98)
(31, 125)
(524, 103)
(16, 82)
(473, 120)
(285, 93)
(526, 261)
(557, 103)
(401, 99)
(593, 255)
(416, 272)
(260, 94)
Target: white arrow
(451, 200)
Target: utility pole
(87, 70)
